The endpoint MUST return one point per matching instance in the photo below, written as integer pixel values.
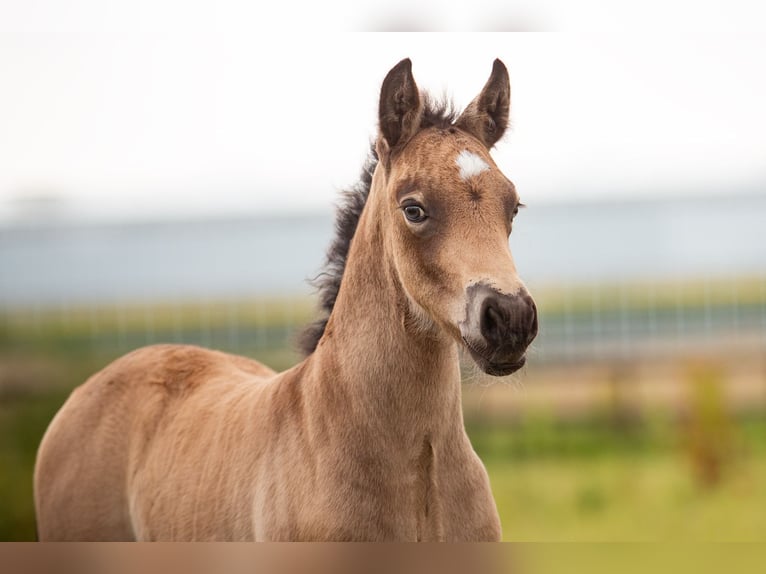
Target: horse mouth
(496, 369)
(503, 369)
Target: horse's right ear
(486, 117)
(400, 110)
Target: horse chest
(357, 496)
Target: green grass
(22, 424)
(621, 498)
(594, 480)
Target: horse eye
(414, 213)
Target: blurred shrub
(709, 434)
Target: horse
(364, 439)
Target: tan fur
(363, 440)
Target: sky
(169, 109)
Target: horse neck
(393, 371)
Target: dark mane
(436, 113)
(327, 283)
(440, 113)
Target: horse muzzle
(498, 328)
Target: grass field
(621, 498)
(652, 495)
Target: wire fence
(625, 320)
(577, 322)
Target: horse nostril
(499, 324)
(492, 322)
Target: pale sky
(146, 108)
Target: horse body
(362, 440)
(182, 443)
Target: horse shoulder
(196, 444)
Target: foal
(362, 440)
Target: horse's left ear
(486, 117)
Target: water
(65, 263)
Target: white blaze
(470, 164)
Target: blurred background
(168, 172)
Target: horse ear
(400, 110)
(486, 117)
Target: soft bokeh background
(168, 170)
